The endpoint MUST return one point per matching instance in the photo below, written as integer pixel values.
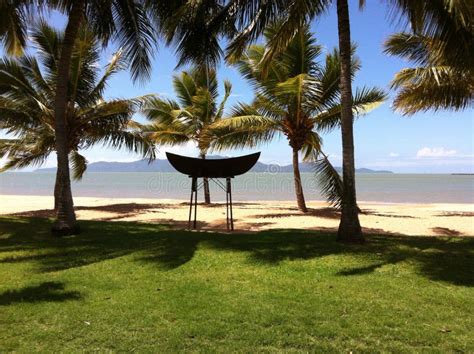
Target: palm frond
(13, 80)
(115, 65)
(329, 180)
(29, 151)
(135, 33)
(246, 130)
(47, 41)
(161, 111)
(78, 165)
(32, 72)
(312, 146)
(433, 88)
(167, 134)
(227, 92)
(364, 101)
(13, 32)
(329, 77)
(134, 141)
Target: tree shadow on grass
(99, 241)
(448, 259)
(44, 292)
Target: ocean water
(388, 188)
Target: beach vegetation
(298, 97)
(191, 117)
(126, 22)
(443, 77)
(27, 93)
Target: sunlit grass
(129, 286)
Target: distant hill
(164, 166)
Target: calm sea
(389, 188)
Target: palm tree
(297, 97)
(191, 117)
(195, 28)
(125, 21)
(441, 80)
(349, 226)
(27, 91)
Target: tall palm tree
(191, 117)
(125, 21)
(297, 97)
(27, 91)
(349, 226)
(196, 26)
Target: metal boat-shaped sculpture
(213, 168)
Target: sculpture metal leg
(193, 193)
(195, 202)
(227, 210)
(229, 194)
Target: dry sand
(406, 219)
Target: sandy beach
(406, 219)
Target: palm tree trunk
(298, 185)
(349, 227)
(56, 193)
(65, 217)
(207, 193)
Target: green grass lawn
(129, 286)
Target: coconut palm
(297, 97)
(27, 92)
(195, 27)
(191, 117)
(125, 21)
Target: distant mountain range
(164, 166)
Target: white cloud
(435, 152)
(394, 154)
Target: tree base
(351, 240)
(65, 230)
(349, 228)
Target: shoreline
(441, 219)
(218, 200)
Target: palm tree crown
(127, 22)
(192, 116)
(296, 96)
(27, 92)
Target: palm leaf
(163, 111)
(185, 88)
(136, 35)
(115, 65)
(435, 88)
(329, 180)
(364, 100)
(78, 165)
(227, 92)
(13, 32)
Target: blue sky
(440, 142)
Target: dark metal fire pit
(213, 169)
